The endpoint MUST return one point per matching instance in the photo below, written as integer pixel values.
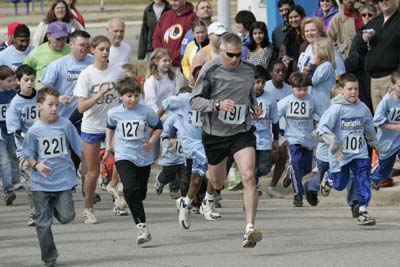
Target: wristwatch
(217, 105)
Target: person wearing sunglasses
(367, 12)
(344, 26)
(224, 94)
(325, 11)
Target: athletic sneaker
(325, 188)
(272, 192)
(251, 238)
(355, 210)
(175, 195)
(96, 198)
(118, 196)
(311, 196)
(9, 198)
(52, 263)
(298, 200)
(89, 217)
(184, 218)
(120, 211)
(375, 185)
(365, 219)
(195, 210)
(143, 234)
(31, 220)
(287, 180)
(207, 209)
(158, 187)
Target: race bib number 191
(236, 117)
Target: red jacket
(170, 30)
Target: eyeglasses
(369, 15)
(326, 1)
(232, 55)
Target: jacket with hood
(147, 29)
(170, 30)
(347, 127)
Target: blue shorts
(92, 138)
(199, 165)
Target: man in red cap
(10, 34)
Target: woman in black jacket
(151, 15)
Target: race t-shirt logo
(174, 32)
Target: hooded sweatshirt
(347, 127)
(170, 30)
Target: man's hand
(227, 105)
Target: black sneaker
(298, 200)
(375, 185)
(311, 196)
(355, 210)
(365, 219)
(9, 198)
(287, 180)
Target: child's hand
(64, 99)
(257, 110)
(107, 153)
(147, 146)
(42, 168)
(339, 155)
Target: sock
(187, 201)
(249, 226)
(209, 197)
(363, 208)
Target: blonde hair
(157, 54)
(317, 22)
(324, 49)
(336, 89)
(130, 70)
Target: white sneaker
(251, 237)
(143, 234)
(89, 216)
(274, 193)
(120, 211)
(117, 193)
(207, 209)
(31, 220)
(184, 217)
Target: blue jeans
(11, 152)
(263, 163)
(49, 204)
(315, 182)
(385, 168)
(5, 168)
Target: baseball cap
(216, 28)
(12, 26)
(58, 29)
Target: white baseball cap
(216, 28)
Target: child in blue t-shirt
(264, 144)
(301, 112)
(136, 128)
(387, 119)
(20, 116)
(8, 161)
(46, 149)
(345, 127)
(172, 159)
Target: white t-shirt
(120, 55)
(155, 91)
(89, 82)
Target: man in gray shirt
(224, 94)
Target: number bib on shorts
(53, 147)
(394, 115)
(298, 109)
(353, 144)
(238, 116)
(132, 130)
(194, 118)
(3, 109)
(31, 113)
